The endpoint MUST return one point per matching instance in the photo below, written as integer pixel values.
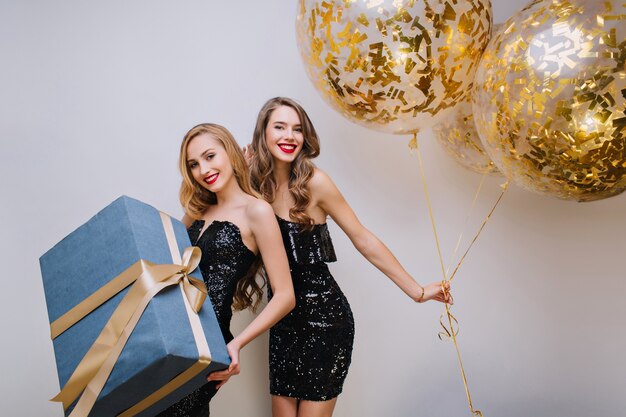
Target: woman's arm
(329, 199)
(269, 241)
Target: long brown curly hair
(196, 199)
(302, 168)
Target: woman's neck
(229, 193)
(282, 171)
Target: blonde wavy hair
(302, 168)
(196, 199)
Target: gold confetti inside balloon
(458, 136)
(395, 66)
(550, 98)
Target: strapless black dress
(225, 260)
(311, 347)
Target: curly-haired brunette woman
(311, 348)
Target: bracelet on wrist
(419, 300)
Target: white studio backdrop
(96, 97)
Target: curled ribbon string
(452, 329)
(451, 333)
(151, 280)
(448, 332)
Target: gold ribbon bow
(147, 280)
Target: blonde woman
(311, 348)
(236, 231)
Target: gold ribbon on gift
(146, 280)
(451, 330)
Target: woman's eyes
(279, 127)
(208, 157)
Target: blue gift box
(162, 345)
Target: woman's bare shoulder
(320, 181)
(258, 210)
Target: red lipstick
(210, 179)
(287, 148)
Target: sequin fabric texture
(225, 260)
(311, 347)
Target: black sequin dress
(225, 260)
(311, 347)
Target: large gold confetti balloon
(550, 98)
(458, 136)
(395, 66)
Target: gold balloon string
(413, 145)
(505, 187)
(467, 217)
(452, 329)
(451, 332)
